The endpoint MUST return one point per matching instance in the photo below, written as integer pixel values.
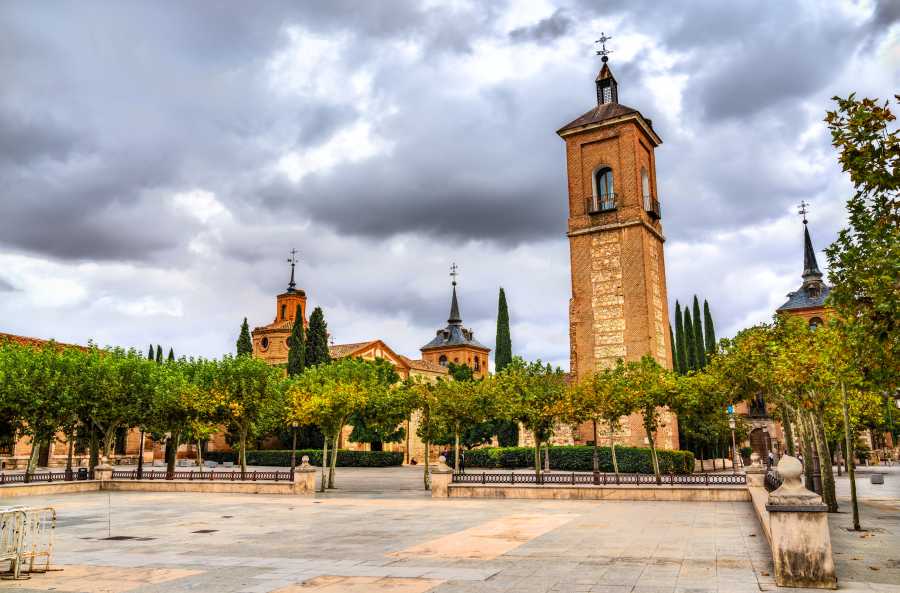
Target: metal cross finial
(454, 272)
(603, 51)
(803, 209)
(293, 261)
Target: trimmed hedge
(282, 458)
(580, 458)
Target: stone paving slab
(353, 541)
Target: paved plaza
(382, 532)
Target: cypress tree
(244, 344)
(297, 346)
(171, 357)
(159, 354)
(317, 339)
(503, 349)
(672, 342)
(690, 346)
(700, 346)
(151, 354)
(680, 351)
(709, 330)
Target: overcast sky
(158, 160)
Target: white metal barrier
(26, 538)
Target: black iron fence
(81, 473)
(600, 479)
(773, 480)
(196, 475)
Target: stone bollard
(305, 477)
(756, 473)
(801, 542)
(103, 471)
(441, 475)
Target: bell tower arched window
(442, 360)
(604, 197)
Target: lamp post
(294, 426)
(731, 425)
(768, 444)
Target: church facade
(619, 306)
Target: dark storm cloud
(161, 99)
(548, 29)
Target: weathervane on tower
(803, 209)
(603, 52)
(293, 261)
(454, 272)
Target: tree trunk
(70, 450)
(652, 438)
(427, 476)
(788, 430)
(596, 455)
(109, 439)
(334, 456)
(94, 449)
(805, 442)
(200, 455)
(537, 457)
(140, 464)
(324, 461)
(851, 458)
(33, 458)
(828, 494)
(171, 457)
(456, 448)
(612, 450)
(243, 452)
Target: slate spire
(810, 265)
(455, 318)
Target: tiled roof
(801, 299)
(454, 335)
(36, 342)
(342, 350)
(425, 365)
(598, 114)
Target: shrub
(580, 458)
(281, 458)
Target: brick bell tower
(618, 307)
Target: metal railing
(651, 207)
(600, 479)
(198, 476)
(81, 473)
(597, 204)
(26, 536)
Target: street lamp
(731, 425)
(294, 426)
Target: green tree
(864, 261)
(317, 339)
(159, 354)
(151, 354)
(380, 421)
(709, 331)
(243, 389)
(672, 360)
(690, 348)
(503, 348)
(459, 406)
(699, 344)
(533, 394)
(171, 357)
(244, 343)
(681, 362)
(327, 395)
(650, 388)
(296, 347)
(601, 398)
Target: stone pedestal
(756, 473)
(103, 471)
(801, 542)
(305, 478)
(441, 475)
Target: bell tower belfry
(618, 308)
